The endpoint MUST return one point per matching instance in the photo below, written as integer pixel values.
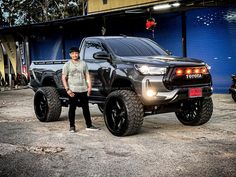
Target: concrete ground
(164, 147)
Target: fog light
(151, 93)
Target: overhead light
(166, 6)
(162, 6)
(134, 11)
(177, 4)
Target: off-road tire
(195, 112)
(130, 109)
(47, 105)
(234, 96)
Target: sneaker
(72, 129)
(93, 128)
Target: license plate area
(195, 92)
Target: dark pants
(84, 103)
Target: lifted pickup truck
(131, 77)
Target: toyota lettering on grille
(193, 76)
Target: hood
(163, 60)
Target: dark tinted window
(90, 49)
(134, 47)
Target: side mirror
(102, 55)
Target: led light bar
(183, 71)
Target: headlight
(150, 70)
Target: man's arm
(65, 84)
(87, 78)
(89, 83)
(64, 81)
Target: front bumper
(161, 95)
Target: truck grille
(180, 77)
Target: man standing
(76, 81)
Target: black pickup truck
(131, 77)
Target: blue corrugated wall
(211, 36)
(46, 46)
(168, 33)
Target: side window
(90, 49)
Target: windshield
(134, 47)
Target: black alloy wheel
(41, 106)
(195, 112)
(47, 105)
(123, 113)
(117, 115)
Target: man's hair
(74, 49)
